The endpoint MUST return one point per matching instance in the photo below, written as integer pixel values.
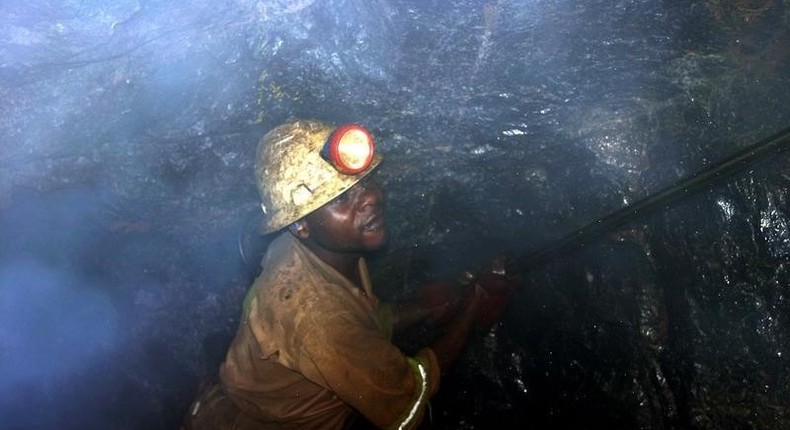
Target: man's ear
(299, 229)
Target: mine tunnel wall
(128, 204)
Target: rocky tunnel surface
(127, 200)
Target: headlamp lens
(350, 149)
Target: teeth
(374, 224)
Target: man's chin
(375, 240)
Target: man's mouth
(374, 223)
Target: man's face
(352, 222)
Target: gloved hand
(493, 289)
(442, 300)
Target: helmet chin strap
(299, 229)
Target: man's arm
(435, 303)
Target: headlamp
(349, 149)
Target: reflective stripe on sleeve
(421, 379)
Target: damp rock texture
(128, 207)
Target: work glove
(442, 300)
(494, 288)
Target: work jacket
(312, 348)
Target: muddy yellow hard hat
(304, 164)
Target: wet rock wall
(127, 205)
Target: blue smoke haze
(128, 131)
(56, 324)
(53, 327)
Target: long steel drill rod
(770, 146)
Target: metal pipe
(769, 146)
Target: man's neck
(345, 263)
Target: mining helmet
(303, 165)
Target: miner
(313, 349)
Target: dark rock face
(127, 201)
